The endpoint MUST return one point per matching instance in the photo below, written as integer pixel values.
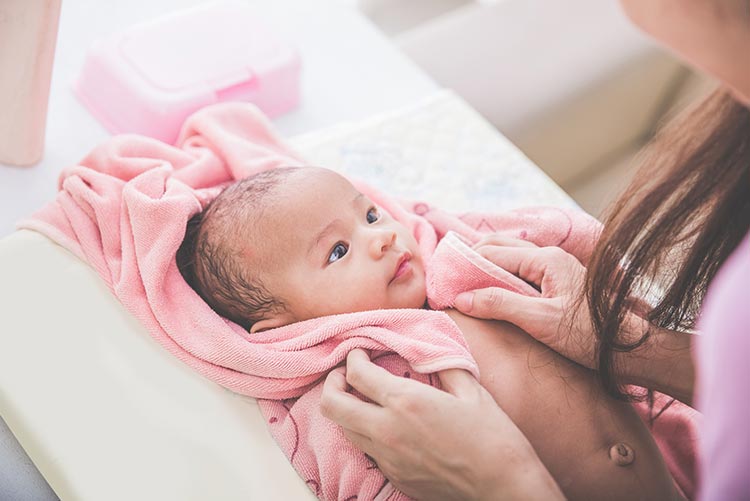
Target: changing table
(97, 405)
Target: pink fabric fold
(456, 268)
(124, 208)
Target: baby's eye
(372, 215)
(339, 250)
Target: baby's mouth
(403, 267)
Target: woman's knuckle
(353, 377)
(326, 405)
(329, 409)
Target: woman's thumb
(496, 304)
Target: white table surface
(350, 71)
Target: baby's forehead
(315, 189)
(306, 201)
(317, 178)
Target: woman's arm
(479, 453)
(663, 363)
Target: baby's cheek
(415, 295)
(421, 294)
(369, 296)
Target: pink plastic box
(149, 78)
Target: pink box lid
(150, 77)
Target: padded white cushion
(103, 410)
(106, 413)
(439, 150)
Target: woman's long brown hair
(670, 231)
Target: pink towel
(123, 210)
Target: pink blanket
(123, 210)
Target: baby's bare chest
(525, 377)
(562, 410)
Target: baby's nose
(383, 240)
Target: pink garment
(124, 209)
(723, 371)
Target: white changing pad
(105, 413)
(439, 150)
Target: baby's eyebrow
(330, 226)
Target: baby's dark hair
(210, 261)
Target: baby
(322, 246)
(293, 244)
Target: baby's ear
(279, 320)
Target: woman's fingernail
(464, 301)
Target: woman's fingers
(369, 379)
(415, 439)
(459, 382)
(499, 239)
(361, 442)
(530, 264)
(551, 318)
(344, 408)
(494, 303)
(330, 408)
(507, 258)
(373, 381)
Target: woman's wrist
(662, 363)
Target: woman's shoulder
(726, 305)
(724, 343)
(723, 369)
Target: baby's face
(331, 250)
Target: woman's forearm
(663, 363)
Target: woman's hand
(561, 319)
(433, 444)
(557, 318)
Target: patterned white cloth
(439, 150)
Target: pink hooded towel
(124, 209)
